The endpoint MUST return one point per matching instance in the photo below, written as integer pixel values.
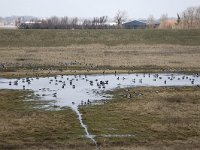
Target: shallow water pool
(75, 90)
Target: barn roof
(135, 23)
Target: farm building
(142, 24)
(135, 25)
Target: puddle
(75, 90)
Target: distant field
(134, 57)
(138, 50)
(52, 38)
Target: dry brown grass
(23, 127)
(161, 118)
(93, 56)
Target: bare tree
(191, 14)
(64, 20)
(120, 17)
(103, 20)
(55, 20)
(87, 23)
(18, 22)
(99, 22)
(151, 21)
(178, 19)
(188, 17)
(197, 17)
(95, 21)
(163, 17)
(163, 20)
(74, 22)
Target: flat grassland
(136, 50)
(155, 118)
(23, 126)
(63, 38)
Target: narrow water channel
(88, 135)
(76, 90)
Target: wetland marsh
(117, 89)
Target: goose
(129, 96)
(54, 94)
(16, 83)
(89, 102)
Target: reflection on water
(75, 90)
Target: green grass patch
(53, 38)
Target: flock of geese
(63, 81)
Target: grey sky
(91, 8)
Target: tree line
(188, 19)
(65, 23)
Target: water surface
(77, 90)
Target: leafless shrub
(190, 18)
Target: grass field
(156, 118)
(61, 38)
(25, 125)
(91, 57)
(139, 50)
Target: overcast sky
(91, 8)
